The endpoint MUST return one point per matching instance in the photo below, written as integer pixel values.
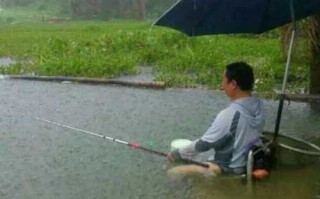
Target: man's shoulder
(227, 112)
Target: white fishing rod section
(132, 145)
(83, 131)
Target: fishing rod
(132, 145)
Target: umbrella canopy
(207, 17)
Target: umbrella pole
(285, 79)
(132, 145)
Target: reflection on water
(44, 161)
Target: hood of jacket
(251, 108)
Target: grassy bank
(115, 48)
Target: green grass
(114, 48)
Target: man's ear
(234, 84)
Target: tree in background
(11, 3)
(88, 9)
(309, 30)
(314, 38)
(122, 9)
(102, 9)
(97, 9)
(155, 8)
(140, 5)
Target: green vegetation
(114, 48)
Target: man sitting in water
(233, 129)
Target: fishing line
(132, 145)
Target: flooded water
(39, 160)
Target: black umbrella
(208, 17)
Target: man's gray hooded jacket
(233, 130)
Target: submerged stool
(258, 163)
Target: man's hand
(170, 157)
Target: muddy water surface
(39, 160)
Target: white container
(179, 143)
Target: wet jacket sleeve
(214, 137)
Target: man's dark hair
(242, 73)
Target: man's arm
(215, 137)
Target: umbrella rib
(166, 12)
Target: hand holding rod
(132, 145)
